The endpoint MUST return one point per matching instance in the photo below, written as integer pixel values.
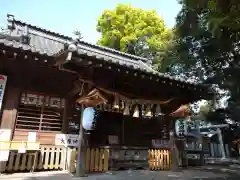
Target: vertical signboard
(3, 82)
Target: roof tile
(49, 43)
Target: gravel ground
(204, 173)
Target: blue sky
(64, 16)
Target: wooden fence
(61, 158)
(96, 160)
(159, 159)
(48, 158)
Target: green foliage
(135, 31)
(208, 32)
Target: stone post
(222, 149)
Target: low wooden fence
(47, 158)
(61, 158)
(159, 159)
(96, 160)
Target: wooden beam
(78, 86)
(60, 58)
(65, 115)
(106, 80)
(93, 98)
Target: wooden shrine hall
(49, 77)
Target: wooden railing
(96, 160)
(47, 158)
(159, 159)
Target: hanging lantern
(158, 110)
(148, 111)
(136, 112)
(116, 103)
(126, 110)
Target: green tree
(209, 36)
(135, 31)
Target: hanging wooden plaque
(31, 99)
(55, 102)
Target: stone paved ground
(206, 173)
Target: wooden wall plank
(106, 159)
(46, 159)
(30, 161)
(40, 159)
(23, 163)
(17, 162)
(10, 161)
(57, 165)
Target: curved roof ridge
(43, 30)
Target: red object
(2, 78)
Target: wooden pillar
(9, 113)
(174, 151)
(11, 102)
(66, 114)
(80, 167)
(173, 148)
(167, 126)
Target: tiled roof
(21, 46)
(83, 49)
(67, 39)
(136, 65)
(49, 43)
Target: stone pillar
(222, 149)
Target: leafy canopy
(135, 31)
(209, 36)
